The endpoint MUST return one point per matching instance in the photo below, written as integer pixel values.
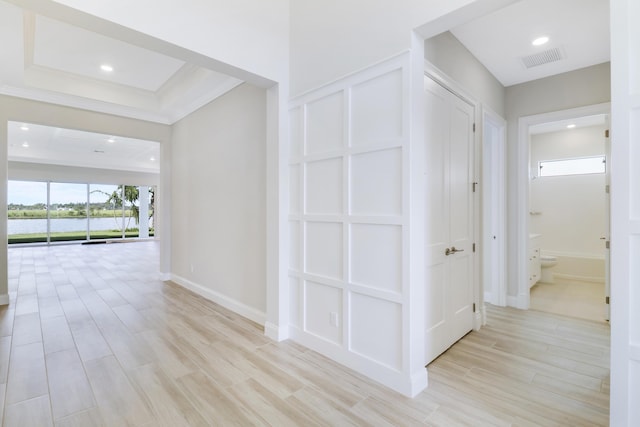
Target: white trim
(409, 385)
(165, 277)
(477, 320)
(571, 255)
(4, 299)
(522, 182)
(634, 351)
(592, 279)
(276, 333)
(84, 104)
(497, 149)
(520, 301)
(223, 300)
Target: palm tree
(131, 196)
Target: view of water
(29, 226)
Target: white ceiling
(578, 28)
(562, 125)
(44, 144)
(53, 61)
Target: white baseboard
(488, 297)
(4, 299)
(229, 303)
(408, 384)
(276, 333)
(590, 279)
(165, 277)
(520, 301)
(477, 319)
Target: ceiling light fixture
(24, 127)
(153, 159)
(540, 41)
(111, 140)
(106, 68)
(571, 126)
(25, 144)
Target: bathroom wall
(571, 209)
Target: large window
(67, 212)
(580, 166)
(27, 212)
(55, 212)
(105, 211)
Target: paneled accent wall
(348, 220)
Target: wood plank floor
(92, 338)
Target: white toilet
(547, 262)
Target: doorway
(567, 217)
(528, 214)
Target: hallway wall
(219, 196)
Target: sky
(30, 193)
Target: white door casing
(607, 226)
(493, 190)
(449, 226)
(625, 213)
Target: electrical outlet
(192, 268)
(334, 319)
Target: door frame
(493, 190)
(433, 72)
(522, 300)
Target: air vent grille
(551, 55)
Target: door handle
(452, 250)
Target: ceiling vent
(551, 55)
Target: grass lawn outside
(74, 235)
(42, 214)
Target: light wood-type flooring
(92, 338)
(575, 298)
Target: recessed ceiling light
(24, 127)
(106, 68)
(571, 126)
(540, 41)
(25, 144)
(153, 159)
(111, 140)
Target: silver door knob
(452, 250)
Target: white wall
(451, 57)
(349, 222)
(587, 86)
(22, 110)
(219, 195)
(571, 208)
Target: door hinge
(474, 307)
(607, 188)
(606, 133)
(607, 245)
(607, 300)
(474, 184)
(473, 247)
(474, 127)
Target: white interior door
(449, 223)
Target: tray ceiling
(53, 61)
